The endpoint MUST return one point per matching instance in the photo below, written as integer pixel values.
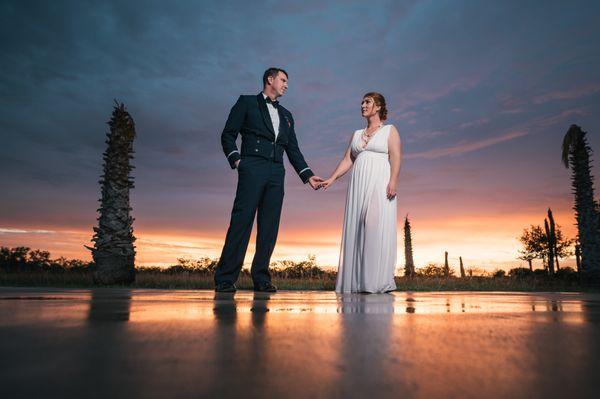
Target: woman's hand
(391, 191)
(326, 183)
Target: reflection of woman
(375, 304)
(368, 251)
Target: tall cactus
(446, 266)
(409, 264)
(576, 155)
(462, 268)
(554, 242)
(113, 251)
(550, 246)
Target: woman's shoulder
(391, 128)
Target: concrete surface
(121, 343)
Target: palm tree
(409, 266)
(576, 154)
(113, 251)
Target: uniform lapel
(283, 124)
(262, 105)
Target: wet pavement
(121, 343)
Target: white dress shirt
(274, 116)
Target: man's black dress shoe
(225, 287)
(265, 287)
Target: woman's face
(368, 107)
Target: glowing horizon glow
(484, 242)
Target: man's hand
(237, 163)
(315, 182)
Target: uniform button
(256, 150)
(258, 141)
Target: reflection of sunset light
(493, 302)
(202, 305)
(466, 338)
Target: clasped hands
(317, 182)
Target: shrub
(499, 273)
(520, 272)
(567, 274)
(433, 270)
(540, 273)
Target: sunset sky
(482, 94)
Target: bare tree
(536, 245)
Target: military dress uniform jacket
(250, 118)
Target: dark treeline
(307, 269)
(22, 266)
(24, 259)
(438, 271)
(21, 259)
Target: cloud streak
(464, 148)
(4, 230)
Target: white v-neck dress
(368, 249)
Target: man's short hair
(272, 72)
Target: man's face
(279, 84)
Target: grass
(486, 284)
(147, 279)
(187, 280)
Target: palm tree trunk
(578, 257)
(576, 154)
(113, 251)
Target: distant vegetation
(22, 266)
(548, 245)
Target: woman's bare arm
(343, 166)
(395, 156)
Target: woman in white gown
(368, 249)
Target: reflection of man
(267, 130)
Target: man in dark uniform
(267, 130)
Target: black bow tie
(273, 103)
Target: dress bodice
(377, 144)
